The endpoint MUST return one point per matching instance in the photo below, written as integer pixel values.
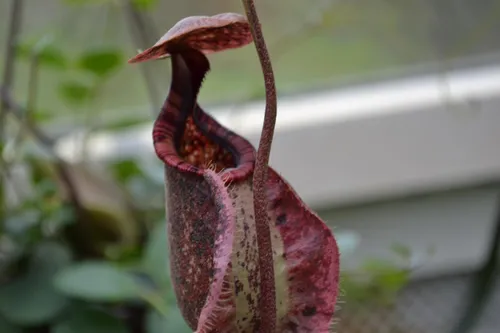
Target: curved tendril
(267, 301)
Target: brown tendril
(267, 300)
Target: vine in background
(7, 81)
(12, 38)
(142, 34)
(98, 63)
(44, 140)
(267, 299)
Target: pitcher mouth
(184, 136)
(190, 140)
(205, 143)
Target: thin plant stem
(31, 101)
(7, 80)
(46, 142)
(141, 35)
(10, 55)
(267, 299)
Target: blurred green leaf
(6, 327)
(122, 124)
(101, 62)
(12, 251)
(32, 299)
(392, 281)
(144, 4)
(59, 218)
(354, 290)
(401, 250)
(48, 55)
(156, 267)
(97, 281)
(386, 279)
(173, 322)
(90, 321)
(43, 115)
(378, 266)
(75, 92)
(155, 260)
(377, 281)
(19, 224)
(41, 175)
(126, 169)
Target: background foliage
(83, 246)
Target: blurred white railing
(380, 141)
(363, 143)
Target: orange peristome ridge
(207, 34)
(198, 150)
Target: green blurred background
(89, 254)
